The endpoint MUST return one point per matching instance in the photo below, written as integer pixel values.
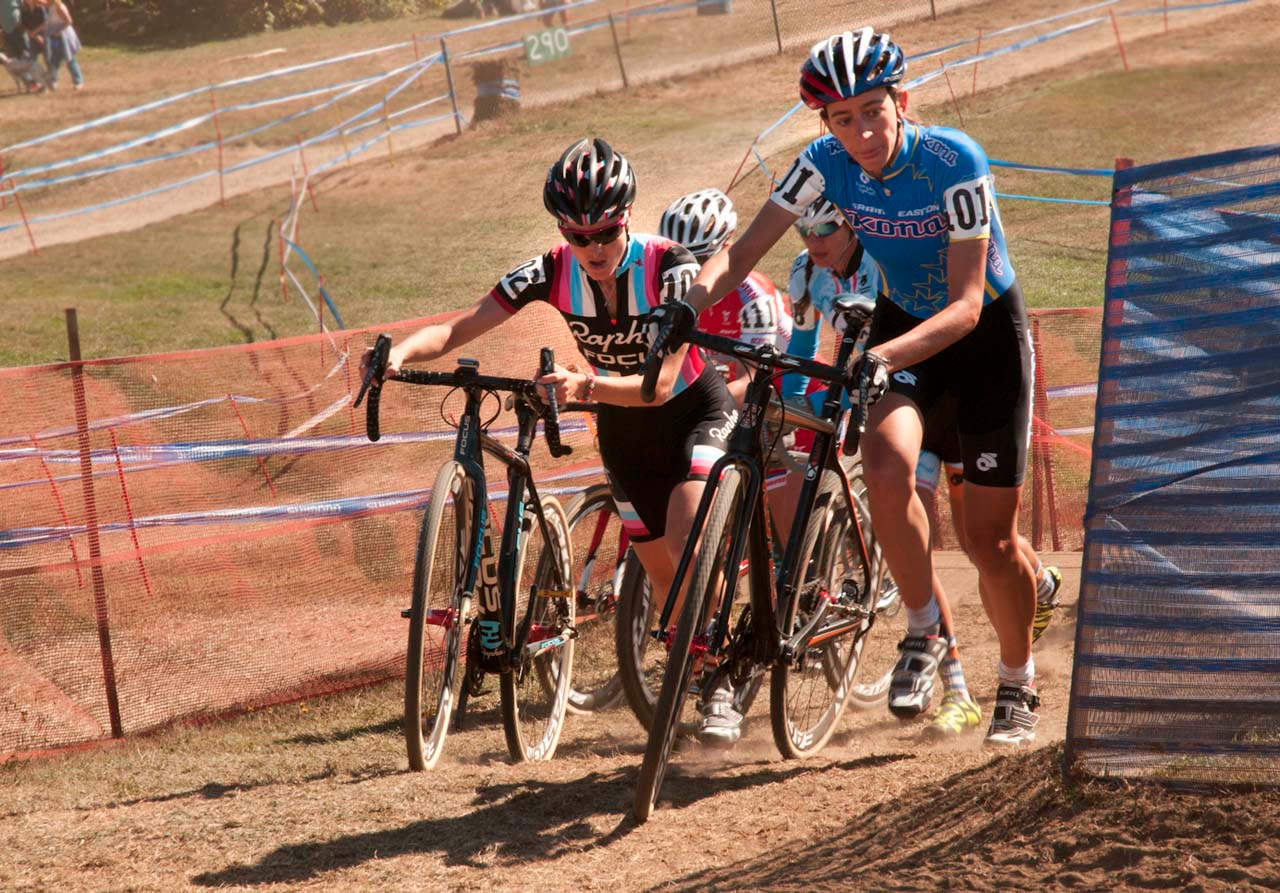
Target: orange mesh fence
(1053, 495)
(184, 536)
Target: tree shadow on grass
(533, 820)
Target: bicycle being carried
(523, 628)
(808, 629)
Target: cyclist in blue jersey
(834, 263)
(607, 281)
(950, 319)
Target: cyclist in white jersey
(950, 321)
(754, 312)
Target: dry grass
(432, 230)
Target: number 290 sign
(546, 46)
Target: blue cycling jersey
(937, 189)
(813, 291)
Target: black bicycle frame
(743, 450)
(496, 620)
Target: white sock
(953, 674)
(924, 621)
(1024, 675)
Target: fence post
(453, 96)
(91, 524)
(618, 50)
(777, 32)
(933, 10)
(217, 127)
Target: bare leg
(889, 451)
(1005, 576)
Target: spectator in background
(62, 43)
(32, 18)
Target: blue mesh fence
(1177, 662)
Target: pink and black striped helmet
(590, 184)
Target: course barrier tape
(190, 123)
(348, 507)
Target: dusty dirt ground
(263, 808)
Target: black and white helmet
(701, 221)
(850, 63)
(820, 212)
(590, 184)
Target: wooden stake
(946, 74)
(1115, 26)
(17, 200)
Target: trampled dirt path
(263, 807)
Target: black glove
(681, 316)
(869, 379)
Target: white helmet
(820, 212)
(701, 221)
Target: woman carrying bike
(950, 320)
(606, 281)
(833, 262)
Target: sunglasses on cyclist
(822, 229)
(600, 236)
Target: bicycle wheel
(535, 692)
(595, 530)
(437, 617)
(711, 582)
(808, 695)
(642, 659)
(870, 688)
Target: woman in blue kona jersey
(606, 282)
(949, 320)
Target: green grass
(432, 230)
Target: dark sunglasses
(822, 229)
(600, 236)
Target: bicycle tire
(535, 691)
(432, 677)
(680, 661)
(642, 659)
(598, 580)
(807, 697)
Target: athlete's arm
(438, 339)
(726, 269)
(966, 279)
(621, 390)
